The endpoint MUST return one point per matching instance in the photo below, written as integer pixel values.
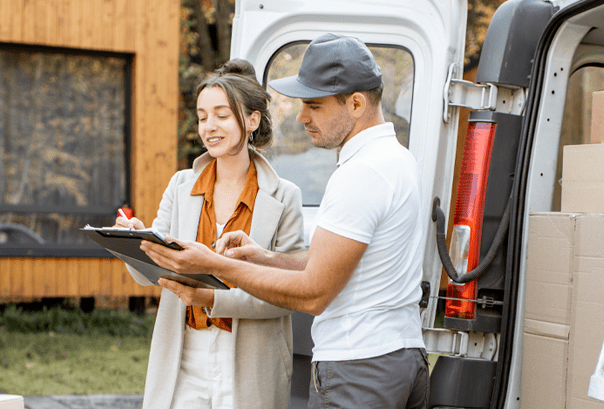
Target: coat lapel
(267, 213)
(189, 208)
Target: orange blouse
(241, 219)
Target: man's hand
(190, 296)
(240, 246)
(192, 259)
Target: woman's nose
(211, 122)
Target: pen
(121, 212)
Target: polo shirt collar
(362, 138)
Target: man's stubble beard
(339, 130)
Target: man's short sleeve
(356, 199)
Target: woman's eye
(202, 119)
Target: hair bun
(238, 66)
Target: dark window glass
(63, 148)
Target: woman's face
(218, 127)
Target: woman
(231, 350)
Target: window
(292, 154)
(64, 125)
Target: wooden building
(147, 34)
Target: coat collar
(267, 210)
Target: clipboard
(125, 245)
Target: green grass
(69, 320)
(69, 364)
(93, 353)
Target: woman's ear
(253, 121)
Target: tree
(480, 13)
(205, 44)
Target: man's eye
(202, 119)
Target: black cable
(438, 216)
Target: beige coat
(264, 345)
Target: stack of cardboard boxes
(564, 310)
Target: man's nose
(302, 116)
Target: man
(361, 274)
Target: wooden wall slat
(27, 272)
(87, 27)
(52, 21)
(5, 278)
(119, 28)
(149, 30)
(97, 32)
(104, 287)
(16, 15)
(39, 10)
(76, 24)
(45, 276)
(73, 277)
(107, 21)
(61, 277)
(28, 30)
(6, 19)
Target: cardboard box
(11, 402)
(561, 348)
(583, 179)
(597, 117)
(549, 273)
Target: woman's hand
(190, 296)
(195, 257)
(133, 223)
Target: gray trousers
(398, 380)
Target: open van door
(420, 48)
(541, 60)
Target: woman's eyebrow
(215, 107)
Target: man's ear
(357, 104)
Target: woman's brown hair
(237, 78)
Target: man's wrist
(269, 258)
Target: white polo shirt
(373, 197)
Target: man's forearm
(295, 260)
(283, 287)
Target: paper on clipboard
(125, 245)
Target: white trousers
(205, 379)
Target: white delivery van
(539, 58)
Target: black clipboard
(125, 245)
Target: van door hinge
(444, 341)
(466, 94)
(459, 343)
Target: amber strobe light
(469, 208)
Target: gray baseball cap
(332, 64)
